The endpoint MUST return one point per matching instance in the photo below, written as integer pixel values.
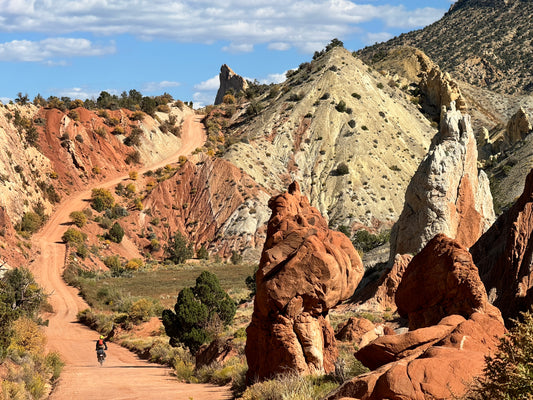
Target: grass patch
(162, 283)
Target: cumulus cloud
(238, 48)
(306, 25)
(79, 93)
(210, 84)
(399, 17)
(201, 99)
(280, 46)
(158, 86)
(51, 48)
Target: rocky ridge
(211, 202)
(486, 43)
(334, 113)
(503, 256)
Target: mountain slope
(349, 136)
(487, 43)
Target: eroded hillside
(350, 136)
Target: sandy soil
(124, 375)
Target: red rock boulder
(354, 329)
(437, 362)
(441, 280)
(305, 270)
(503, 256)
(380, 296)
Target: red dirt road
(124, 375)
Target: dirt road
(124, 375)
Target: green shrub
(341, 106)
(73, 236)
(236, 257)
(31, 222)
(365, 241)
(116, 233)
(342, 169)
(202, 253)
(179, 249)
(101, 199)
(509, 371)
(196, 308)
(78, 218)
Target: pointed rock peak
(229, 81)
(455, 125)
(447, 194)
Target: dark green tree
(195, 309)
(179, 249)
(116, 233)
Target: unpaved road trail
(124, 376)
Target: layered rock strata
(447, 193)
(503, 255)
(304, 271)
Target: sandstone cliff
(503, 256)
(453, 328)
(229, 81)
(305, 270)
(447, 194)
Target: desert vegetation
(27, 369)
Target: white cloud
(201, 99)
(274, 78)
(378, 37)
(210, 84)
(278, 24)
(5, 100)
(399, 17)
(48, 49)
(280, 46)
(158, 86)
(238, 48)
(78, 93)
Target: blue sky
(77, 48)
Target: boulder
(229, 80)
(379, 296)
(452, 329)
(438, 362)
(503, 256)
(354, 329)
(441, 280)
(447, 194)
(218, 351)
(305, 270)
